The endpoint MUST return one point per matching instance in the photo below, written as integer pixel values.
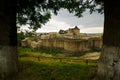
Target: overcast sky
(89, 23)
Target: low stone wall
(67, 45)
(72, 45)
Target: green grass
(25, 51)
(49, 51)
(32, 69)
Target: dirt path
(93, 55)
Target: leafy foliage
(21, 36)
(38, 12)
(62, 31)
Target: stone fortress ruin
(71, 42)
(73, 33)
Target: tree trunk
(8, 39)
(109, 62)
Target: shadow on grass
(31, 70)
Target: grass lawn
(31, 69)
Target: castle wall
(68, 45)
(72, 45)
(70, 42)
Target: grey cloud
(88, 20)
(64, 20)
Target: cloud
(91, 30)
(25, 28)
(88, 19)
(88, 23)
(53, 25)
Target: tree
(109, 62)
(37, 13)
(62, 31)
(8, 39)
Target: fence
(64, 59)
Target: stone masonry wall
(68, 45)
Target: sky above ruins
(89, 23)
